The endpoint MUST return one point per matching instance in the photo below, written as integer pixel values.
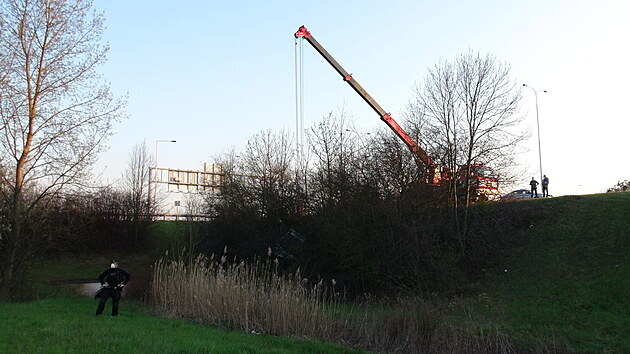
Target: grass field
(68, 325)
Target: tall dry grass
(249, 297)
(254, 298)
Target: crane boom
(422, 158)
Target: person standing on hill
(112, 280)
(545, 186)
(534, 185)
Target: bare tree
(136, 182)
(55, 111)
(434, 118)
(261, 180)
(332, 147)
(396, 168)
(234, 196)
(269, 158)
(466, 112)
(490, 99)
(195, 206)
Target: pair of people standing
(534, 187)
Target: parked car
(517, 194)
(520, 194)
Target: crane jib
(346, 76)
(419, 153)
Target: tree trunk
(10, 266)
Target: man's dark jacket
(114, 277)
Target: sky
(212, 74)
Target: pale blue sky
(211, 74)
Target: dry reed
(249, 297)
(254, 298)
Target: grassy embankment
(571, 280)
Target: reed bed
(254, 298)
(239, 295)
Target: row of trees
(345, 221)
(353, 207)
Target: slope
(571, 279)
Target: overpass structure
(188, 181)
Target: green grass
(166, 235)
(68, 325)
(572, 278)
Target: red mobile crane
(481, 179)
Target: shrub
(621, 186)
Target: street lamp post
(538, 129)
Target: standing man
(534, 185)
(112, 281)
(545, 186)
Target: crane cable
(299, 97)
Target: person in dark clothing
(534, 184)
(545, 186)
(113, 280)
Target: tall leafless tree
(270, 160)
(234, 195)
(55, 111)
(136, 183)
(433, 118)
(466, 112)
(332, 144)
